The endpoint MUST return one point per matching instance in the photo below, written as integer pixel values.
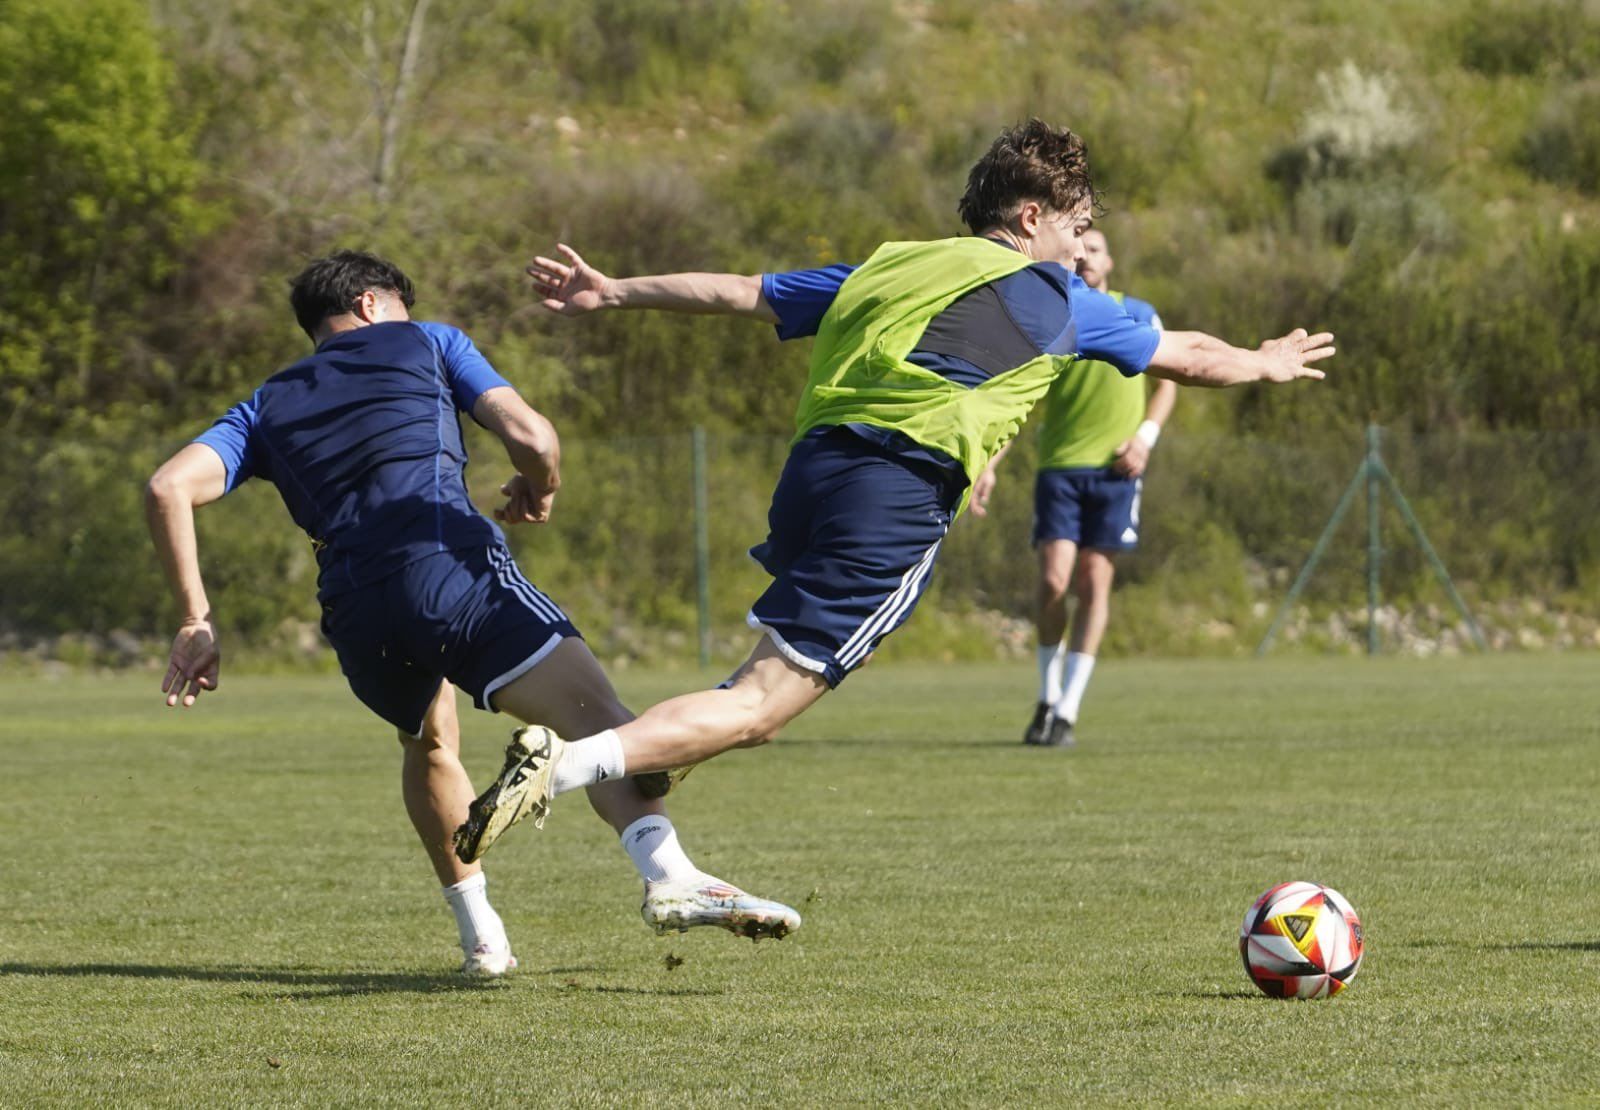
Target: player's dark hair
(332, 285)
(1031, 161)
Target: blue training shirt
(363, 442)
(1142, 311)
(1051, 310)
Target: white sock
(1050, 662)
(475, 918)
(593, 759)
(1076, 681)
(652, 843)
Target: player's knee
(1053, 583)
(425, 745)
(1093, 578)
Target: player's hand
(569, 288)
(524, 504)
(1290, 356)
(982, 490)
(1132, 457)
(194, 662)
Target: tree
(97, 199)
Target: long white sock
(1050, 662)
(652, 843)
(593, 759)
(1076, 681)
(476, 920)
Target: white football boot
(484, 962)
(704, 900)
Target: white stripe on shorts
(511, 577)
(893, 608)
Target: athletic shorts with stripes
(468, 615)
(853, 533)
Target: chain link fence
(1226, 525)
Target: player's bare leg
(435, 785)
(568, 694)
(1056, 560)
(1091, 589)
(766, 693)
(437, 794)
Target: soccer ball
(1301, 940)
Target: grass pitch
(228, 906)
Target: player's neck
(346, 321)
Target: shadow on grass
(1548, 946)
(325, 984)
(1517, 946)
(1227, 995)
(921, 742)
(333, 982)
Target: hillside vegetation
(1420, 177)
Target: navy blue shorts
(852, 535)
(467, 615)
(1093, 507)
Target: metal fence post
(702, 543)
(1374, 540)
(1314, 558)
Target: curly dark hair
(1031, 161)
(332, 285)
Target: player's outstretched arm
(534, 448)
(1195, 358)
(194, 476)
(574, 288)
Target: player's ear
(1028, 217)
(375, 306)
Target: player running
(363, 441)
(1095, 442)
(927, 359)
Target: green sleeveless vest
(859, 373)
(1088, 413)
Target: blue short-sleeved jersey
(1048, 302)
(1142, 311)
(1050, 305)
(363, 441)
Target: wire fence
(649, 570)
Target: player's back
(362, 441)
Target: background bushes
(1419, 177)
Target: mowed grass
(228, 906)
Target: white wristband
(1148, 432)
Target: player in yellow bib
(927, 359)
(1097, 434)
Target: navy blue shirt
(363, 441)
(1048, 310)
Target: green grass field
(227, 906)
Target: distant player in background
(363, 441)
(1095, 442)
(926, 361)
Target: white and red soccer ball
(1301, 940)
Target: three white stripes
(856, 647)
(854, 650)
(511, 577)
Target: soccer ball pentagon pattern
(1301, 940)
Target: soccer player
(363, 441)
(927, 358)
(1094, 445)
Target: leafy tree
(96, 202)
